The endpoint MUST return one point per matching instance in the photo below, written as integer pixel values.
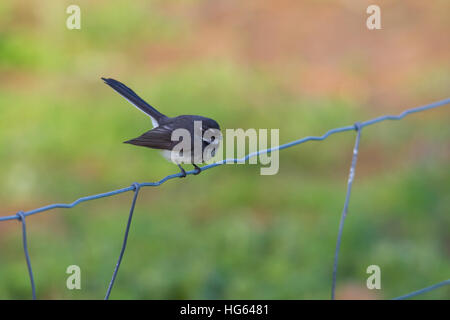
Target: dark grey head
(210, 130)
(208, 123)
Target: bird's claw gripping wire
(198, 170)
(183, 173)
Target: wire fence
(136, 187)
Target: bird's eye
(213, 138)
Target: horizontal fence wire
(358, 126)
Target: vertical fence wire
(21, 218)
(351, 176)
(136, 188)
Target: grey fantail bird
(163, 135)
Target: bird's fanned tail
(134, 99)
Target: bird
(203, 131)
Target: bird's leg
(197, 169)
(183, 173)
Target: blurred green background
(301, 66)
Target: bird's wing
(157, 138)
(135, 100)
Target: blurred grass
(228, 233)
